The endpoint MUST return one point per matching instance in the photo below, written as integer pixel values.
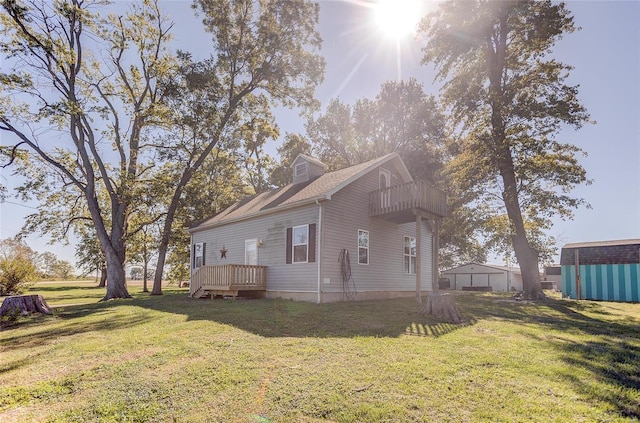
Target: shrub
(15, 273)
(17, 266)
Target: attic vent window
(301, 169)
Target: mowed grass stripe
(172, 358)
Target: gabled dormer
(306, 168)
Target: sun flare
(397, 19)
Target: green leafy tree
(63, 269)
(254, 134)
(17, 266)
(509, 98)
(216, 184)
(46, 263)
(293, 144)
(79, 92)
(265, 54)
(402, 118)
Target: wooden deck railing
(416, 194)
(241, 277)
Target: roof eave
(402, 169)
(276, 209)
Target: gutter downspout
(319, 251)
(190, 265)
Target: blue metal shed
(607, 271)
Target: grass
(171, 358)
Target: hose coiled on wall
(348, 284)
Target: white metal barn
(476, 275)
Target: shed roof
(295, 195)
(490, 266)
(623, 251)
(603, 243)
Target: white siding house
(367, 231)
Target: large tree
(402, 118)
(80, 93)
(293, 144)
(508, 97)
(266, 54)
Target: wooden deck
(400, 203)
(228, 279)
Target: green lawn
(171, 358)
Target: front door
(251, 251)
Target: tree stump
(25, 304)
(443, 306)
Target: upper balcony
(401, 203)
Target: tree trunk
(103, 276)
(24, 304)
(111, 244)
(526, 255)
(117, 286)
(145, 261)
(162, 254)
(166, 235)
(442, 306)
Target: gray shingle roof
(294, 195)
(624, 251)
(602, 243)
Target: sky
(360, 57)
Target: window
(198, 254)
(385, 182)
(385, 178)
(363, 247)
(301, 168)
(301, 244)
(409, 255)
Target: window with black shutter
(301, 244)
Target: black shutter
(289, 244)
(204, 250)
(312, 243)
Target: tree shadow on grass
(66, 322)
(610, 352)
(287, 318)
(612, 362)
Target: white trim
(246, 241)
(387, 174)
(368, 247)
(191, 258)
(404, 272)
(400, 166)
(197, 256)
(319, 250)
(308, 159)
(293, 244)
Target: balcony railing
(401, 200)
(229, 277)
